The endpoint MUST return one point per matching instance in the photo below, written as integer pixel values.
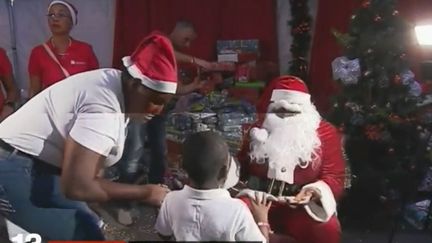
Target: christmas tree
(300, 30)
(377, 109)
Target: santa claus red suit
(295, 158)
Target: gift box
(223, 66)
(237, 46)
(213, 112)
(237, 51)
(237, 57)
(244, 72)
(250, 95)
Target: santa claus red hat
(291, 89)
(153, 62)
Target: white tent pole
(13, 43)
(12, 28)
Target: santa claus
(295, 158)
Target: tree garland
(300, 30)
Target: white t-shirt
(206, 215)
(87, 106)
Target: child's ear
(223, 173)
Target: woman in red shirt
(61, 55)
(7, 104)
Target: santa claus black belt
(275, 187)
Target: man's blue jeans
(156, 135)
(39, 205)
(134, 152)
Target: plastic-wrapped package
(200, 127)
(215, 112)
(348, 71)
(215, 99)
(232, 128)
(416, 214)
(235, 119)
(210, 120)
(180, 121)
(226, 120)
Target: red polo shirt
(79, 57)
(5, 70)
(5, 65)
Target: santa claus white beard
(291, 140)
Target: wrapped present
(237, 46)
(213, 112)
(230, 128)
(243, 73)
(237, 50)
(237, 57)
(181, 121)
(416, 214)
(223, 66)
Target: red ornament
(397, 79)
(366, 4)
(395, 118)
(373, 132)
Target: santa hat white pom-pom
(258, 134)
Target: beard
(292, 141)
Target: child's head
(206, 159)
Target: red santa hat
(153, 62)
(291, 89)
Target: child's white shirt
(206, 215)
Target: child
(204, 209)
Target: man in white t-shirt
(72, 130)
(204, 209)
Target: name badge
(73, 62)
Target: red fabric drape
(213, 19)
(325, 49)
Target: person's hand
(204, 64)
(306, 195)
(256, 195)
(6, 111)
(154, 194)
(260, 207)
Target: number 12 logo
(29, 238)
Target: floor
(142, 230)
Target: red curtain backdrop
(336, 14)
(213, 19)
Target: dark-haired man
(72, 130)
(181, 37)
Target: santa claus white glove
(259, 134)
(304, 197)
(256, 195)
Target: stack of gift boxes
(215, 112)
(244, 53)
